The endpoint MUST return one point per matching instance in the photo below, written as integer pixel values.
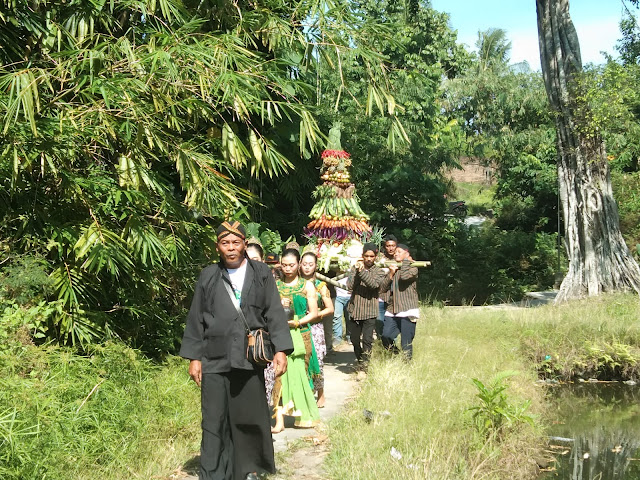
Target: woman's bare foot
(320, 401)
(279, 426)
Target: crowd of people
(283, 295)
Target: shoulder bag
(260, 350)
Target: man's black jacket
(216, 335)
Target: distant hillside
(473, 170)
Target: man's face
(232, 249)
(368, 258)
(390, 247)
(400, 254)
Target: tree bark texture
(599, 259)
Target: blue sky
(596, 22)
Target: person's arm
(385, 285)
(371, 278)
(192, 347)
(326, 302)
(312, 304)
(352, 278)
(407, 272)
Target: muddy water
(595, 430)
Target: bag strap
(234, 300)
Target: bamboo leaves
(103, 250)
(23, 97)
(130, 125)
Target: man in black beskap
(236, 428)
(364, 282)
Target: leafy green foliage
(478, 265)
(270, 240)
(626, 187)
(22, 325)
(130, 127)
(24, 279)
(611, 95)
(629, 44)
(507, 124)
(401, 187)
(612, 108)
(493, 49)
(495, 413)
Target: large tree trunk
(599, 260)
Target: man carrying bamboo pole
(364, 281)
(390, 244)
(402, 311)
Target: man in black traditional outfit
(236, 428)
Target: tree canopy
(130, 125)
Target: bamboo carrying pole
(334, 281)
(416, 263)
(330, 281)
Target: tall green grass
(114, 414)
(428, 400)
(594, 338)
(110, 414)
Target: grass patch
(114, 414)
(593, 338)
(478, 197)
(110, 414)
(429, 400)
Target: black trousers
(399, 325)
(236, 428)
(361, 334)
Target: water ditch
(594, 431)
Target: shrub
(494, 414)
(488, 265)
(24, 279)
(626, 187)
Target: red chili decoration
(335, 153)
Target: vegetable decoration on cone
(337, 214)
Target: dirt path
(311, 444)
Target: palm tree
(493, 49)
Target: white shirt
(412, 314)
(340, 292)
(236, 275)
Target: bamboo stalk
(331, 281)
(416, 263)
(334, 281)
(386, 263)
